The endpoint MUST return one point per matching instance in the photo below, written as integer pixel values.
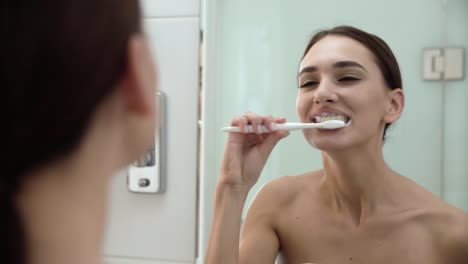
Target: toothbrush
(330, 124)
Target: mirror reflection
(265, 72)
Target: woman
(79, 86)
(355, 209)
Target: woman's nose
(325, 93)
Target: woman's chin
(328, 145)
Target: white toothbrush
(330, 124)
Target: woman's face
(339, 79)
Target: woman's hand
(245, 154)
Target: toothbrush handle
(291, 126)
(334, 124)
(235, 129)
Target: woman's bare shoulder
(447, 224)
(451, 229)
(283, 191)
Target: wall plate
(148, 175)
(443, 64)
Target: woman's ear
(139, 80)
(137, 99)
(395, 106)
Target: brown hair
(60, 60)
(384, 56)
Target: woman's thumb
(270, 142)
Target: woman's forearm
(223, 246)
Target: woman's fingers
(257, 121)
(241, 122)
(271, 123)
(246, 153)
(280, 120)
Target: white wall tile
(170, 8)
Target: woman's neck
(63, 205)
(356, 181)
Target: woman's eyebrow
(345, 64)
(339, 64)
(307, 69)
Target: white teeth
(327, 117)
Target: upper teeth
(326, 117)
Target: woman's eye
(308, 84)
(349, 79)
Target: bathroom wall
(252, 57)
(161, 228)
(455, 184)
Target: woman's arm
(244, 158)
(223, 246)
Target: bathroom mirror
(250, 62)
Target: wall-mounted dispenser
(148, 175)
